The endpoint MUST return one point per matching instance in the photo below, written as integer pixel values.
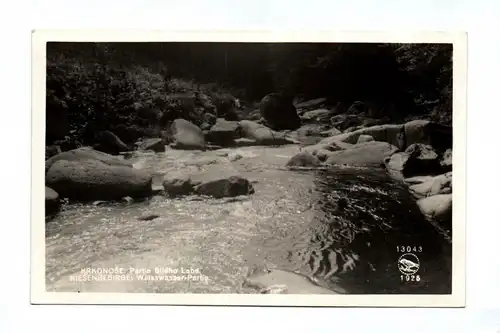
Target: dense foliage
(144, 85)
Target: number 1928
(410, 278)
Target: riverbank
(239, 198)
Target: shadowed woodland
(136, 89)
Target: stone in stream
(283, 282)
(232, 186)
(262, 135)
(303, 159)
(148, 217)
(393, 134)
(224, 132)
(94, 180)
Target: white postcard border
(38, 291)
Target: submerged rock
(225, 187)
(148, 217)
(303, 159)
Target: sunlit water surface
(343, 226)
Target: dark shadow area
(367, 219)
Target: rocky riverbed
(239, 207)
(341, 227)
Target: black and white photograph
(210, 170)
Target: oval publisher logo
(408, 264)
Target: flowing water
(343, 226)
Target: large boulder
(279, 112)
(303, 159)
(441, 184)
(261, 134)
(417, 159)
(157, 145)
(393, 134)
(437, 207)
(400, 135)
(365, 154)
(224, 132)
(94, 180)
(186, 135)
(87, 153)
(225, 187)
(108, 142)
(52, 202)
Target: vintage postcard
(248, 168)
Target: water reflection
(362, 223)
